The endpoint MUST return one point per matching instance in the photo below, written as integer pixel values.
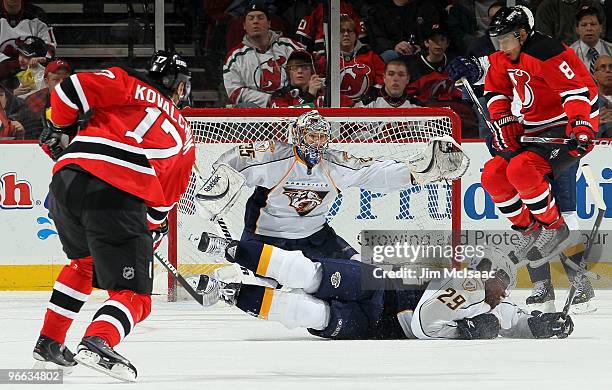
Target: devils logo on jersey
(304, 201)
(355, 80)
(520, 79)
(270, 74)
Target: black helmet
(169, 69)
(509, 19)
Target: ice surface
(182, 346)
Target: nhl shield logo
(128, 273)
(335, 279)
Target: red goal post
(380, 133)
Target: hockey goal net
(379, 133)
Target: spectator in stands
(393, 92)
(431, 84)
(253, 70)
(589, 46)
(398, 27)
(19, 20)
(11, 115)
(429, 77)
(558, 18)
(311, 33)
(483, 46)
(32, 51)
(305, 88)
(55, 72)
(603, 76)
(361, 68)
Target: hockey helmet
(510, 20)
(494, 259)
(169, 69)
(311, 133)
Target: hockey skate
(584, 300)
(548, 245)
(218, 246)
(95, 353)
(542, 297)
(214, 290)
(527, 239)
(49, 354)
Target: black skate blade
(118, 370)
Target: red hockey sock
(70, 292)
(505, 196)
(527, 173)
(118, 316)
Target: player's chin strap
(442, 159)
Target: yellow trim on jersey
(297, 156)
(264, 260)
(266, 303)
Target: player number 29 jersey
(136, 139)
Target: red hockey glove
(506, 133)
(581, 132)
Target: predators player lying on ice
(343, 299)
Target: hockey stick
(463, 81)
(601, 206)
(179, 278)
(562, 141)
(525, 139)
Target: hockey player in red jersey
(558, 99)
(113, 184)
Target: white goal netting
(378, 133)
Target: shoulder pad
(543, 47)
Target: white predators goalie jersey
(292, 202)
(451, 299)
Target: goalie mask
(311, 133)
(169, 70)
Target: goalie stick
(601, 206)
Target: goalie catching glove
(219, 193)
(442, 159)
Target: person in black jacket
(398, 27)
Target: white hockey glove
(219, 193)
(442, 159)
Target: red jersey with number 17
(136, 140)
(552, 83)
